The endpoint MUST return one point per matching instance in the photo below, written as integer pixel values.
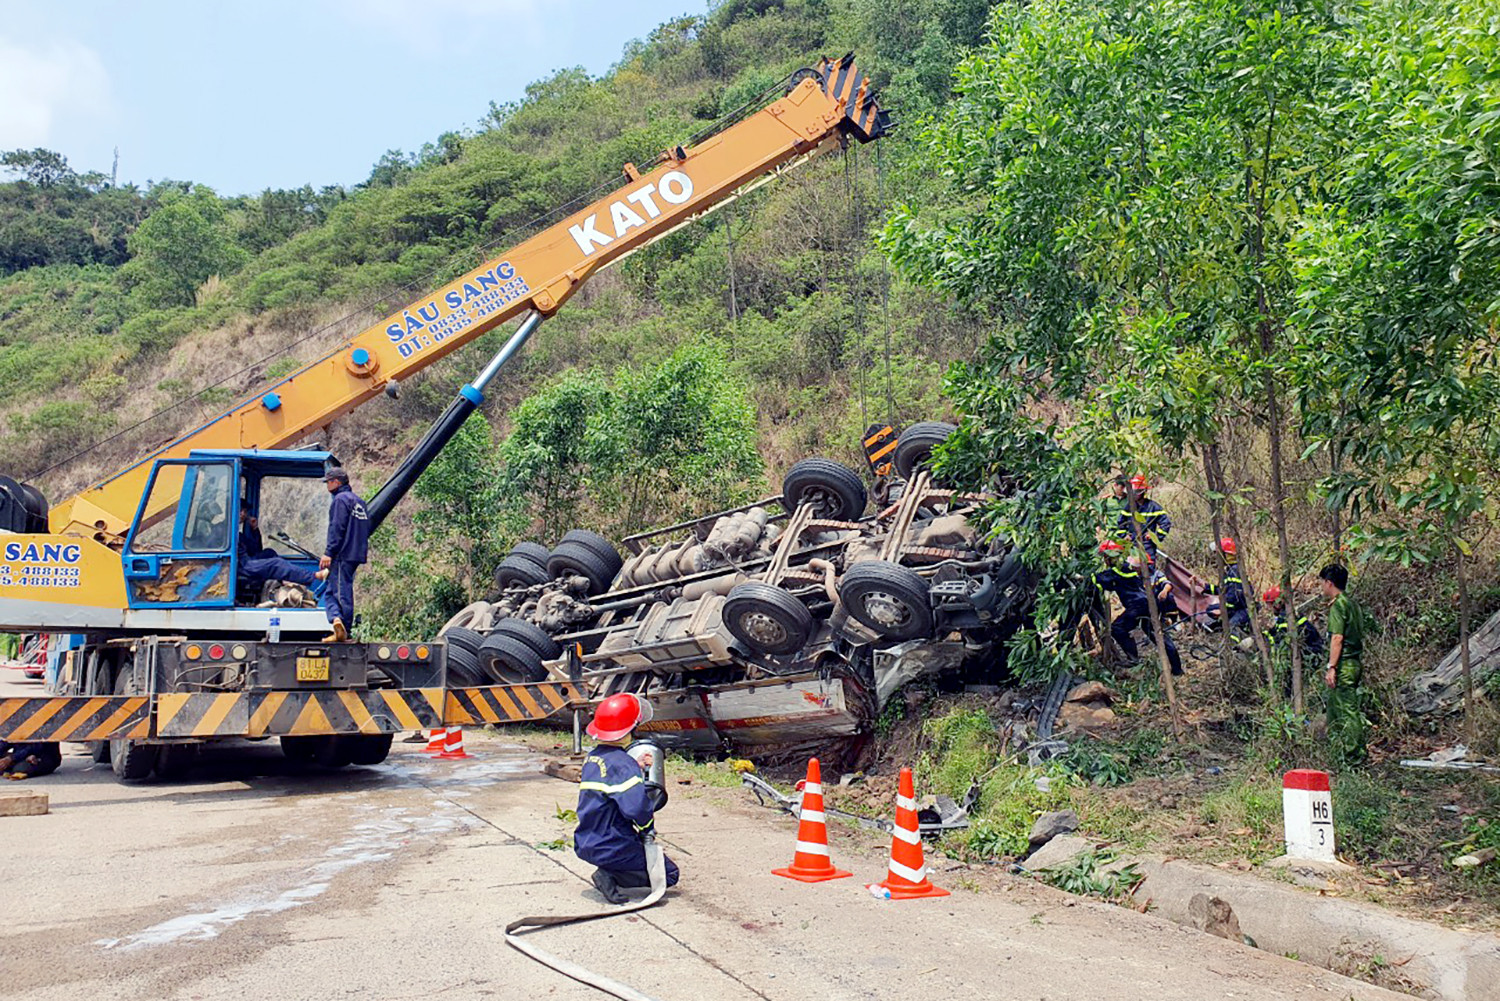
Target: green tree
(1400, 286)
(178, 246)
(459, 521)
(1125, 185)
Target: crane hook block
(362, 362)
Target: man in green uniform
(1346, 647)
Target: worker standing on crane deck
(615, 808)
(348, 547)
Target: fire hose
(656, 868)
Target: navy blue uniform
(1150, 524)
(1127, 585)
(48, 756)
(1312, 640)
(614, 811)
(259, 564)
(348, 547)
(1233, 595)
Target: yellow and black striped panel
(202, 714)
(319, 712)
(880, 442)
(99, 717)
(507, 703)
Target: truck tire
(533, 551)
(532, 635)
(463, 657)
(889, 598)
(334, 750)
(836, 492)
(573, 557)
(131, 760)
(369, 748)
(520, 571)
(98, 751)
(173, 761)
(916, 443)
(299, 748)
(766, 618)
(596, 543)
(509, 660)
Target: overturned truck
(770, 628)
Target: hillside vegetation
(1247, 248)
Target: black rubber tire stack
(463, 656)
(588, 555)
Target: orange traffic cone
(907, 877)
(453, 744)
(811, 862)
(435, 741)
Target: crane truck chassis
(141, 570)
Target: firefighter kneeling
(617, 802)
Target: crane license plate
(312, 668)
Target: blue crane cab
(204, 518)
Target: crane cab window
(189, 508)
(293, 514)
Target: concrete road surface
(258, 878)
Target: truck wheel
(520, 571)
(173, 761)
(369, 748)
(131, 760)
(766, 618)
(533, 551)
(532, 635)
(916, 443)
(299, 748)
(510, 660)
(98, 751)
(464, 639)
(573, 557)
(836, 492)
(889, 598)
(334, 750)
(598, 544)
(463, 657)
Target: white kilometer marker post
(1307, 809)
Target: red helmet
(617, 715)
(1139, 482)
(1227, 547)
(1272, 593)
(1110, 546)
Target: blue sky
(252, 94)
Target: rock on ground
(1050, 825)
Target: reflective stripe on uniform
(634, 780)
